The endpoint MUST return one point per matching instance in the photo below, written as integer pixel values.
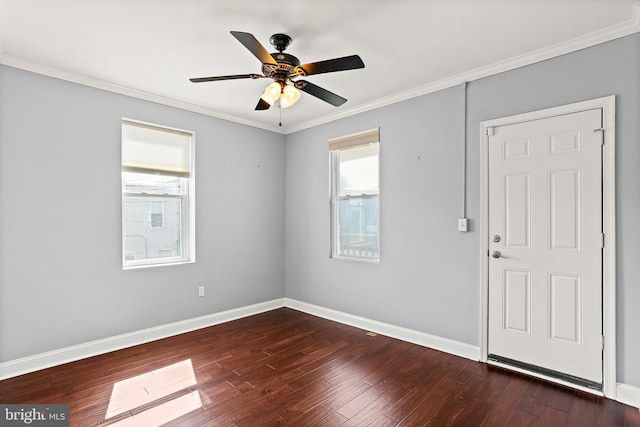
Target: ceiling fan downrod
(280, 41)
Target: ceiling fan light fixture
(272, 93)
(283, 69)
(290, 95)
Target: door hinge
(602, 240)
(490, 131)
(601, 130)
(602, 342)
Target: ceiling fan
(284, 69)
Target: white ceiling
(150, 48)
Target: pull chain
(280, 124)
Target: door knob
(496, 254)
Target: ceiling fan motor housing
(286, 64)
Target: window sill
(158, 264)
(354, 259)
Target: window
(157, 195)
(355, 198)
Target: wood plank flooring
(284, 367)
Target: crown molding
(592, 39)
(601, 36)
(15, 62)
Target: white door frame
(608, 215)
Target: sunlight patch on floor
(163, 413)
(151, 386)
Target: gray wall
(61, 277)
(61, 281)
(428, 277)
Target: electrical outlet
(201, 291)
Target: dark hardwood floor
(285, 367)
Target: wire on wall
(464, 151)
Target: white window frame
(187, 202)
(367, 137)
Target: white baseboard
(426, 340)
(36, 362)
(628, 394)
(28, 364)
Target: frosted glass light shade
(272, 93)
(290, 96)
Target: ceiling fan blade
(262, 105)
(331, 65)
(321, 93)
(232, 77)
(254, 46)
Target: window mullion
(358, 196)
(151, 195)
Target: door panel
(517, 301)
(545, 225)
(565, 210)
(517, 202)
(565, 308)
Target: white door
(545, 245)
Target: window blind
(153, 149)
(355, 139)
